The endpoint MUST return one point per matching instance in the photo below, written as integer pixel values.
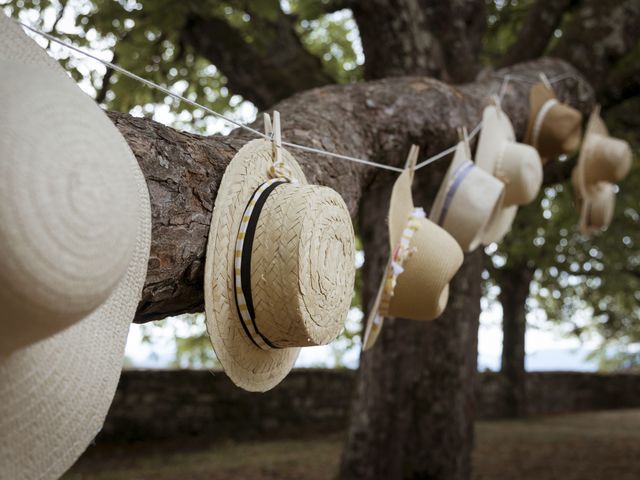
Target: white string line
(166, 91)
(505, 81)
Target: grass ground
(586, 446)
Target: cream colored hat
(554, 128)
(424, 258)
(596, 211)
(603, 161)
(280, 266)
(517, 165)
(74, 242)
(466, 200)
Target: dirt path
(589, 446)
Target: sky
(547, 348)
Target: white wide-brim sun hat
(467, 200)
(280, 267)
(75, 230)
(517, 165)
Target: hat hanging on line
(467, 198)
(423, 260)
(75, 230)
(597, 212)
(517, 165)
(554, 128)
(280, 264)
(603, 161)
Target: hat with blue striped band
(466, 200)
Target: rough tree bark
(514, 281)
(421, 37)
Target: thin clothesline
(501, 92)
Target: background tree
(413, 410)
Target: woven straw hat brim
(473, 204)
(248, 366)
(55, 394)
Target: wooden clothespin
(464, 138)
(412, 159)
(273, 131)
(545, 81)
(495, 99)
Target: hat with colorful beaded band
(517, 165)
(75, 232)
(423, 260)
(603, 161)
(466, 200)
(280, 265)
(554, 128)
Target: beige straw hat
(517, 165)
(554, 128)
(423, 260)
(603, 161)
(466, 200)
(75, 228)
(280, 265)
(596, 212)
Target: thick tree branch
(375, 120)
(264, 71)
(542, 20)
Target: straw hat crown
(554, 128)
(467, 199)
(290, 284)
(67, 216)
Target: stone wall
(171, 403)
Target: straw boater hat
(280, 265)
(467, 199)
(554, 128)
(603, 161)
(424, 258)
(517, 165)
(74, 244)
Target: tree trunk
(514, 291)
